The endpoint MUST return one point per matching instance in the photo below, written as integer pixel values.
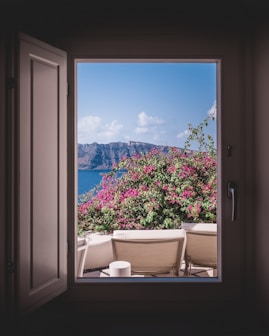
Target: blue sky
(147, 102)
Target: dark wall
(69, 26)
(261, 159)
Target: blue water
(88, 179)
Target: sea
(88, 179)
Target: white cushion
(209, 228)
(148, 234)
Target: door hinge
(11, 83)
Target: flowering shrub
(156, 191)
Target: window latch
(233, 195)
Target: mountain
(103, 156)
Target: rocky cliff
(103, 156)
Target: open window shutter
(42, 174)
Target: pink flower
(148, 169)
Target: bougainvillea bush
(156, 191)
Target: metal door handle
(232, 194)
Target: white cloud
(89, 123)
(146, 120)
(149, 127)
(140, 130)
(212, 112)
(110, 131)
(183, 134)
(93, 129)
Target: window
(230, 165)
(125, 108)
